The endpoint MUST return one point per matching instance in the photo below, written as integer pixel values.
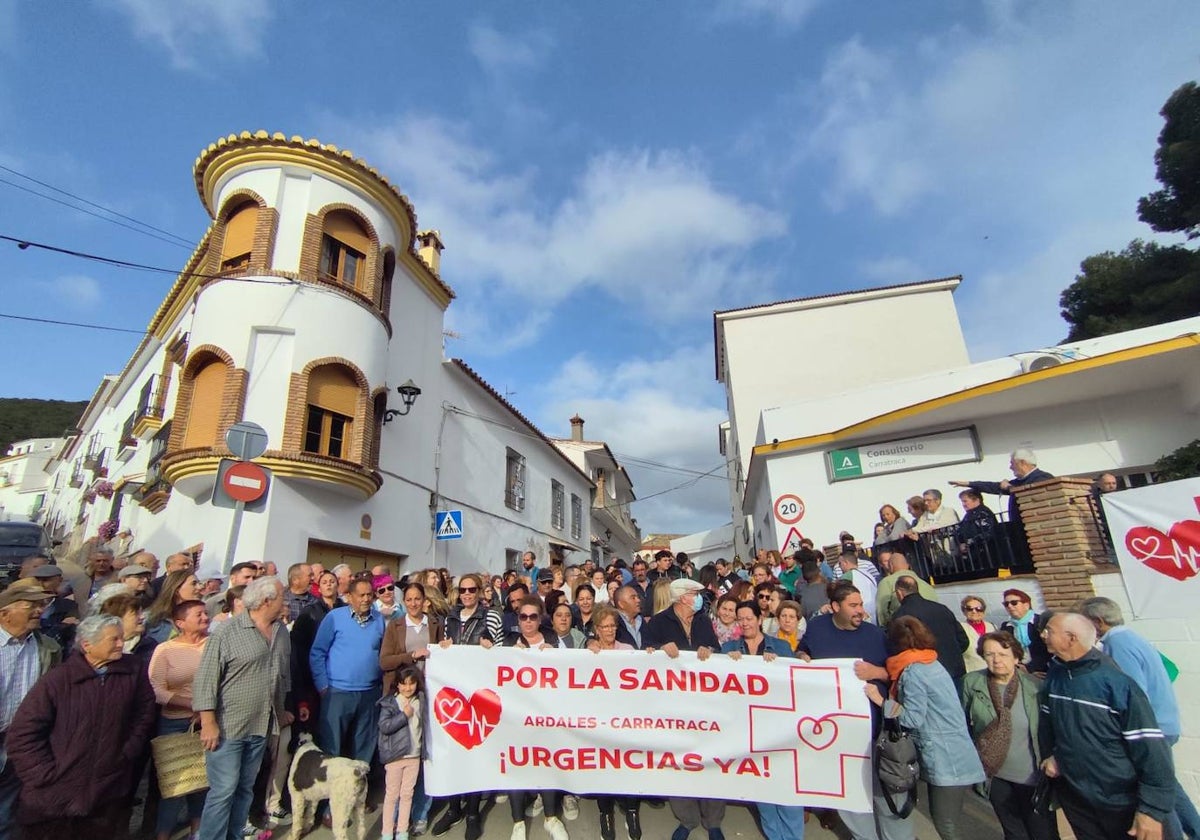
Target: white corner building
(311, 299)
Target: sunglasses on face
(972, 609)
(467, 590)
(384, 589)
(1012, 603)
(528, 616)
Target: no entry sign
(245, 482)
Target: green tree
(1184, 462)
(1176, 207)
(1143, 285)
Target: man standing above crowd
(345, 668)
(1142, 662)
(1023, 464)
(936, 514)
(682, 626)
(240, 692)
(1100, 737)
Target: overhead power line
(142, 227)
(70, 324)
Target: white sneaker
(518, 832)
(570, 806)
(534, 808)
(279, 817)
(556, 829)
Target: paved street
(657, 824)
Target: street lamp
(409, 393)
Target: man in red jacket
(76, 736)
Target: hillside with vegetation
(24, 418)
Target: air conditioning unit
(1031, 362)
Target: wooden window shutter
(333, 388)
(239, 232)
(204, 413)
(348, 230)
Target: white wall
(706, 546)
(1085, 438)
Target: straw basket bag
(179, 762)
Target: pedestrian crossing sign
(449, 525)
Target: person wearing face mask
(682, 626)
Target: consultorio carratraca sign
(957, 446)
(631, 722)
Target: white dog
(315, 776)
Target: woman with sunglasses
(469, 623)
(529, 635)
(973, 610)
(385, 596)
(1026, 627)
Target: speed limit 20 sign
(789, 508)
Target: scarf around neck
(896, 664)
(1021, 626)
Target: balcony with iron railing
(76, 479)
(128, 442)
(149, 414)
(94, 456)
(957, 553)
(155, 491)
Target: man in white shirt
(864, 577)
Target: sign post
(241, 482)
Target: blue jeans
(782, 822)
(232, 768)
(168, 809)
(349, 724)
(10, 786)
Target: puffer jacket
(1100, 729)
(63, 774)
(395, 731)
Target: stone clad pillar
(1064, 538)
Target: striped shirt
(244, 677)
(18, 673)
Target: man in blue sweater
(1141, 661)
(345, 668)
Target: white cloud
(193, 29)
(892, 270)
(499, 53)
(651, 408)
(789, 14)
(650, 228)
(77, 291)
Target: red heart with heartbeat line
(1174, 555)
(818, 733)
(469, 722)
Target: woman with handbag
(925, 702)
(172, 670)
(1002, 712)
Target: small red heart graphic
(818, 733)
(1164, 554)
(469, 722)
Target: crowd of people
(1071, 701)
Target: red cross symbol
(820, 687)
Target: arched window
(204, 411)
(344, 248)
(385, 292)
(332, 401)
(239, 237)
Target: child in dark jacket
(400, 740)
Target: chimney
(577, 428)
(429, 249)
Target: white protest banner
(1157, 545)
(628, 722)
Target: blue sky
(604, 175)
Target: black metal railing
(1096, 512)
(953, 554)
(128, 441)
(149, 401)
